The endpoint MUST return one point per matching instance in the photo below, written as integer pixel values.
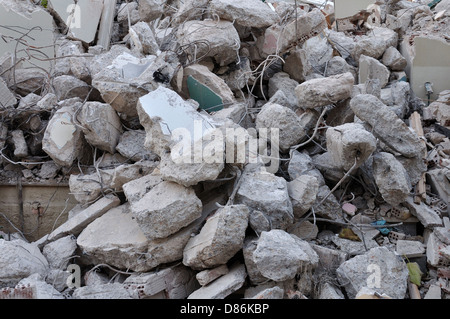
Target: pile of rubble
(228, 149)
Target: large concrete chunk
(350, 143)
(267, 193)
(63, 140)
(102, 291)
(372, 69)
(280, 256)
(224, 286)
(131, 145)
(375, 43)
(386, 125)
(391, 178)
(115, 239)
(165, 209)
(67, 87)
(58, 253)
(216, 39)
(101, 125)
(273, 115)
(378, 269)
(20, 259)
(427, 216)
(220, 238)
(302, 164)
(76, 224)
(394, 59)
(250, 13)
(324, 91)
(303, 192)
(279, 38)
(7, 99)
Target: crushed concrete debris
(225, 149)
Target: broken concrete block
(302, 164)
(338, 65)
(129, 9)
(146, 38)
(265, 192)
(397, 97)
(353, 248)
(206, 276)
(434, 292)
(254, 275)
(303, 192)
(393, 59)
(216, 39)
(391, 178)
(329, 258)
(282, 81)
(6, 97)
(29, 81)
(350, 143)
(279, 256)
(101, 125)
(75, 225)
(297, 65)
(283, 118)
(220, 238)
(20, 145)
(58, 252)
(165, 209)
(150, 10)
(251, 13)
(434, 248)
(386, 126)
(20, 260)
(279, 38)
(136, 189)
(131, 145)
(102, 291)
(428, 217)
(305, 230)
(375, 43)
(63, 140)
(120, 248)
(40, 288)
(268, 293)
(175, 282)
(378, 269)
(330, 207)
(163, 111)
(410, 248)
(223, 286)
(324, 91)
(330, 291)
(67, 86)
(370, 68)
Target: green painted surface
(208, 100)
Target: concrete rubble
(225, 149)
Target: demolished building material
(224, 149)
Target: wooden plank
(416, 125)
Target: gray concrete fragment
(434, 292)
(136, 189)
(378, 269)
(221, 37)
(63, 140)
(101, 125)
(165, 209)
(175, 282)
(267, 193)
(393, 59)
(58, 252)
(302, 164)
(251, 13)
(279, 256)
(350, 144)
(150, 10)
(386, 125)
(324, 91)
(131, 145)
(428, 217)
(281, 81)
(375, 43)
(410, 248)
(206, 276)
(391, 178)
(20, 145)
(75, 225)
(20, 259)
(372, 69)
(142, 33)
(67, 86)
(283, 118)
(254, 275)
(223, 286)
(329, 291)
(220, 238)
(41, 289)
(6, 97)
(103, 291)
(303, 192)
